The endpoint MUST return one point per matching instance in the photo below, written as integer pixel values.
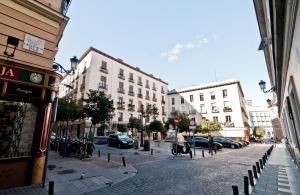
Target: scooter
(178, 149)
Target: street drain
(66, 171)
(51, 167)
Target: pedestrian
(210, 144)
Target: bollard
(151, 151)
(99, 153)
(250, 177)
(203, 153)
(257, 167)
(266, 156)
(123, 159)
(246, 185)
(108, 157)
(191, 154)
(51, 188)
(261, 164)
(263, 160)
(254, 171)
(235, 190)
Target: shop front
(26, 96)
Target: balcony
(120, 119)
(192, 112)
(154, 99)
(147, 97)
(131, 80)
(102, 85)
(120, 106)
(154, 88)
(215, 110)
(131, 107)
(140, 95)
(121, 90)
(163, 91)
(213, 97)
(121, 76)
(131, 93)
(228, 124)
(147, 86)
(140, 83)
(227, 109)
(164, 113)
(104, 70)
(163, 101)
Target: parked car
(246, 143)
(203, 142)
(120, 141)
(100, 140)
(228, 143)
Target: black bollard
(203, 153)
(261, 164)
(51, 188)
(263, 160)
(246, 185)
(257, 167)
(235, 190)
(191, 154)
(99, 153)
(124, 163)
(266, 156)
(151, 151)
(108, 157)
(250, 177)
(254, 171)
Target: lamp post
(262, 85)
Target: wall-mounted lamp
(74, 62)
(262, 85)
(264, 43)
(13, 41)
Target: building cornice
(118, 61)
(208, 87)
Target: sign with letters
(24, 91)
(34, 44)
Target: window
(121, 73)
(131, 90)
(228, 119)
(140, 82)
(104, 65)
(131, 101)
(201, 97)
(131, 77)
(103, 79)
(120, 118)
(224, 93)
(173, 101)
(163, 109)
(162, 89)
(226, 104)
(191, 98)
(147, 84)
(140, 91)
(120, 100)
(121, 85)
(182, 100)
(173, 109)
(202, 108)
(215, 118)
(212, 95)
(154, 86)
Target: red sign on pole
(175, 120)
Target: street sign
(192, 123)
(175, 120)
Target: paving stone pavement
(280, 176)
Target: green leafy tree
(206, 126)
(184, 123)
(259, 132)
(135, 123)
(122, 127)
(155, 126)
(98, 107)
(169, 122)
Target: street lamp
(74, 62)
(262, 85)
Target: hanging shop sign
(18, 74)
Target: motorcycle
(178, 149)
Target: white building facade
(261, 117)
(220, 101)
(128, 86)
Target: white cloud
(172, 54)
(190, 45)
(203, 40)
(214, 36)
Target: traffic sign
(175, 120)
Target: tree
(98, 107)
(122, 128)
(206, 126)
(135, 123)
(155, 125)
(184, 123)
(169, 122)
(68, 110)
(259, 132)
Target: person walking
(210, 144)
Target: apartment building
(261, 117)
(220, 101)
(30, 31)
(129, 87)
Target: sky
(184, 43)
